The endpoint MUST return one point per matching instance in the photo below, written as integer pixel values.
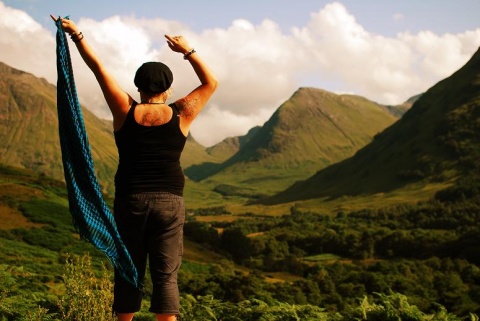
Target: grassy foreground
(88, 297)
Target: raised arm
(191, 105)
(117, 99)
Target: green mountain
(195, 153)
(437, 140)
(29, 131)
(310, 131)
(29, 128)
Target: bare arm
(117, 99)
(191, 105)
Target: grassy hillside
(435, 142)
(27, 118)
(231, 145)
(29, 128)
(399, 110)
(195, 153)
(291, 146)
(37, 229)
(29, 131)
(426, 251)
(310, 131)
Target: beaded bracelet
(76, 37)
(188, 54)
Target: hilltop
(436, 141)
(29, 131)
(313, 129)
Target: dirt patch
(276, 277)
(12, 218)
(255, 234)
(19, 192)
(216, 218)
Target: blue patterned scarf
(92, 217)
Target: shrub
(87, 297)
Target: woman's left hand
(67, 25)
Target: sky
(261, 51)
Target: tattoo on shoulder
(188, 106)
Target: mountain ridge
(29, 131)
(311, 130)
(29, 126)
(423, 146)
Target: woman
(150, 136)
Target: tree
(236, 243)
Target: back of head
(153, 77)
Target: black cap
(153, 77)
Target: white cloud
(218, 120)
(438, 56)
(25, 45)
(386, 70)
(258, 66)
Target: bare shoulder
(120, 111)
(187, 106)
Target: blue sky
(439, 16)
(261, 50)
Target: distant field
(216, 218)
(322, 258)
(408, 195)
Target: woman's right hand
(178, 44)
(68, 25)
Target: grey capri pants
(151, 225)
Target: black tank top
(149, 156)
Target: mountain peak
(6, 69)
(311, 130)
(436, 140)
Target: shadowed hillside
(310, 131)
(437, 140)
(29, 131)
